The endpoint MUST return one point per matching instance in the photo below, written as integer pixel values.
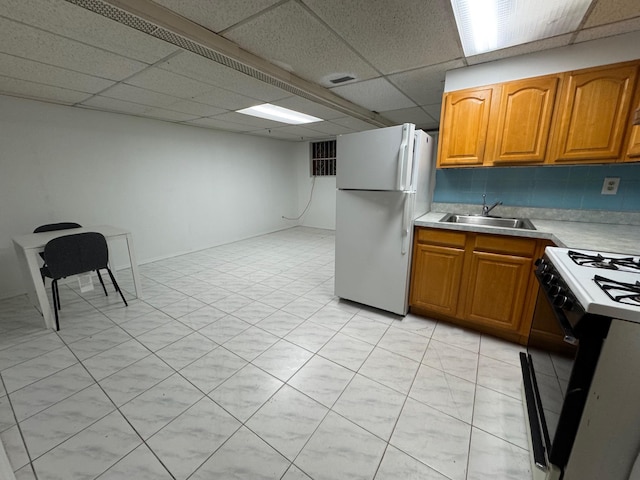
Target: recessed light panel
(487, 25)
(279, 114)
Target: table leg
(134, 266)
(35, 286)
(26, 276)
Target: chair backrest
(76, 253)
(51, 227)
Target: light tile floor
(241, 364)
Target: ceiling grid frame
(314, 92)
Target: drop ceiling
(194, 62)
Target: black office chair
(75, 254)
(52, 227)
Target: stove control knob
(562, 301)
(548, 278)
(541, 265)
(555, 290)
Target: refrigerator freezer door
(371, 234)
(379, 159)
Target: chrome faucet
(485, 208)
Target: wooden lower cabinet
(440, 271)
(476, 280)
(496, 289)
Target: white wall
(177, 188)
(322, 210)
(605, 51)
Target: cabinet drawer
(441, 237)
(522, 247)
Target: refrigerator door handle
(406, 223)
(403, 157)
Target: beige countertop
(603, 237)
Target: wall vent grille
(323, 158)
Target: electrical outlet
(610, 185)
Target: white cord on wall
(313, 184)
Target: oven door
(562, 353)
(551, 352)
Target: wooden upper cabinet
(633, 147)
(633, 136)
(465, 122)
(593, 114)
(520, 130)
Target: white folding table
(28, 246)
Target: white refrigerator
(385, 179)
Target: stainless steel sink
(523, 223)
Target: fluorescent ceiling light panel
(279, 114)
(487, 25)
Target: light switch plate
(610, 185)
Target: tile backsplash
(570, 187)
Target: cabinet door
(593, 114)
(633, 147)
(497, 289)
(633, 138)
(523, 121)
(436, 276)
(464, 127)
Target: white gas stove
(606, 284)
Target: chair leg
(56, 301)
(115, 284)
(101, 282)
(57, 293)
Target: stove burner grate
(621, 292)
(608, 263)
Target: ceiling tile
(216, 15)
(194, 108)
(289, 36)
(207, 71)
(218, 97)
(68, 20)
(114, 105)
(330, 128)
(611, 11)
(24, 69)
(28, 42)
(303, 105)
(353, 123)
(425, 85)
(162, 114)
(138, 95)
(169, 83)
(385, 32)
(409, 115)
(433, 110)
(612, 29)
(23, 88)
(545, 44)
(377, 95)
(219, 125)
(248, 120)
